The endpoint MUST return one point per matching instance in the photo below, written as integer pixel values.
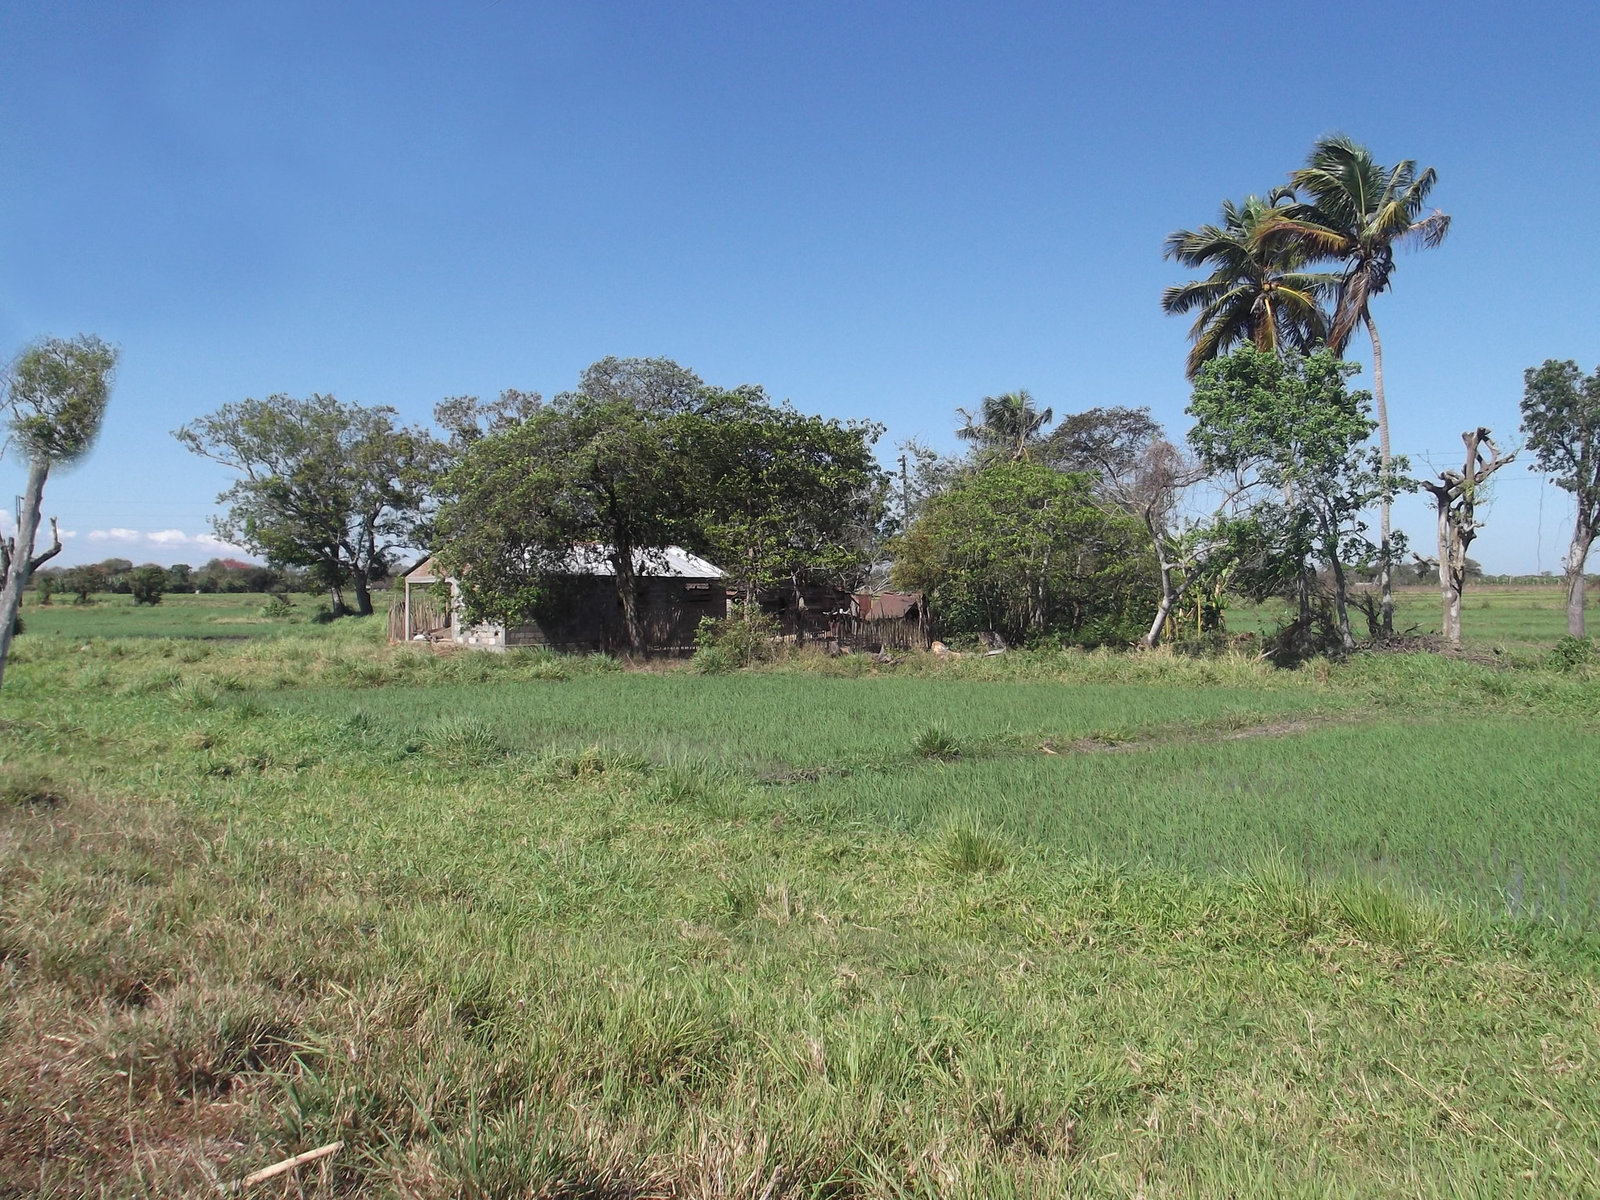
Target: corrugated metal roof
(671, 562)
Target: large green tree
(1025, 551)
(1290, 436)
(788, 498)
(1257, 292)
(1561, 421)
(644, 455)
(340, 489)
(1355, 211)
(55, 395)
(607, 464)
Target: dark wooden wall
(588, 616)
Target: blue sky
(878, 210)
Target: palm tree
(1005, 427)
(1356, 211)
(1255, 292)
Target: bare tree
(1456, 497)
(56, 396)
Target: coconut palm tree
(1255, 293)
(1355, 211)
(1005, 427)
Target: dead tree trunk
(19, 560)
(1455, 497)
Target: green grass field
(1517, 616)
(1039, 925)
(179, 615)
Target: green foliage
(336, 488)
(1355, 211)
(643, 456)
(604, 465)
(786, 497)
(1292, 435)
(744, 637)
(1571, 653)
(277, 608)
(1561, 421)
(147, 584)
(1257, 293)
(1023, 550)
(57, 396)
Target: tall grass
(518, 925)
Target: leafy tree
(180, 578)
(1256, 294)
(1355, 212)
(1561, 422)
(1024, 551)
(465, 419)
(147, 583)
(56, 398)
(1141, 474)
(787, 498)
(1289, 435)
(336, 488)
(1006, 428)
(607, 463)
(83, 582)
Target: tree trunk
(1577, 559)
(1449, 591)
(336, 600)
(1168, 598)
(21, 557)
(358, 581)
(799, 611)
(628, 595)
(1385, 564)
(1340, 598)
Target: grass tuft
(937, 742)
(462, 741)
(966, 848)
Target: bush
(147, 584)
(735, 641)
(1570, 653)
(277, 608)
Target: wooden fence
(429, 616)
(888, 633)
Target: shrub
(147, 584)
(735, 641)
(1570, 653)
(277, 608)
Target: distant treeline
(119, 576)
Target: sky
(882, 211)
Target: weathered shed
(583, 612)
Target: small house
(582, 613)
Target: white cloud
(170, 539)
